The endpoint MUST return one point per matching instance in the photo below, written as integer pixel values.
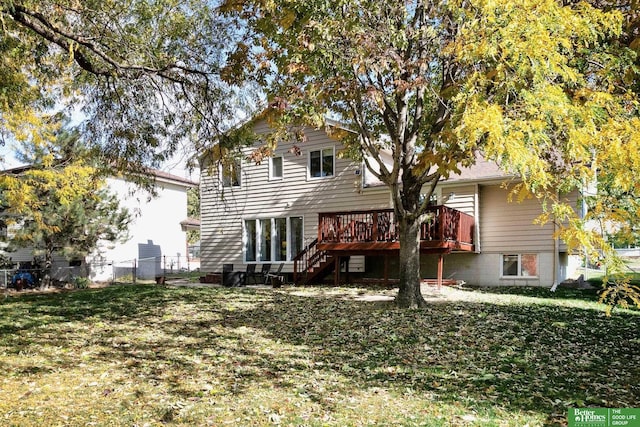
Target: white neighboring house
(156, 234)
(157, 237)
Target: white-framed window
(322, 163)
(277, 239)
(231, 173)
(519, 265)
(250, 240)
(276, 168)
(433, 200)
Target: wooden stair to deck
(320, 270)
(312, 264)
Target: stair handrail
(303, 257)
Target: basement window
(519, 265)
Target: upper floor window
(433, 200)
(230, 174)
(321, 163)
(276, 170)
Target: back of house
(277, 211)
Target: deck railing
(308, 258)
(445, 224)
(357, 226)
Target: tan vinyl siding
(224, 210)
(461, 198)
(508, 227)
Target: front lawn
(150, 355)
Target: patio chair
(277, 274)
(231, 278)
(251, 275)
(264, 272)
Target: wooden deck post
(386, 269)
(441, 223)
(440, 268)
(336, 275)
(346, 270)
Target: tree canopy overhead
(143, 73)
(543, 88)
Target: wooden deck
(374, 232)
(368, 232)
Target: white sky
(7, 154)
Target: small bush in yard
(81, 282)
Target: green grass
(192, 276)
(149, 355)
(597, 281)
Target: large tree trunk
(409, 295)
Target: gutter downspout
(476, 212)
(556, 257)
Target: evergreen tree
(58, 204)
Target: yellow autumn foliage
(22, 194)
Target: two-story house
(313, 211)
(157, 233)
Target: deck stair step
(312, 265)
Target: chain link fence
(145, 269)
(151, 269)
